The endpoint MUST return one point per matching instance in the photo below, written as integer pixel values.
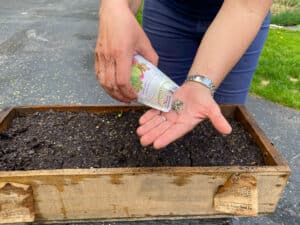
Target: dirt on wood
(55, 140)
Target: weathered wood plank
(136, 195)
(16, 203)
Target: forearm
(134, 5)
(228, 37)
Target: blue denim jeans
(175, 29)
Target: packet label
(154, 88)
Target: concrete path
(46, 57)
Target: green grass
(277, 77)
(285, 12)
(287, 18)
(139, 15)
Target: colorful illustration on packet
(137, 74)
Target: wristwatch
(202, 80)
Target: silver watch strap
(202, 80)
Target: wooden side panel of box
(97, 196)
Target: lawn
(277, 77)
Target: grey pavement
(46, 57)
(47, 51)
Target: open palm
(160, 129)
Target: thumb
(218, 120)
(146, 50)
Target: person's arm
(120, 37)
(134, 5)
(229, 35)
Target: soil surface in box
(54, 140)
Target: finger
(101, 69)
(97, 56)
(115, 95)
(123, 72)
(171, 134)
(147, 51)
(218, 120)
(102, 76)
(110, 75)
(148, 116)
(152, 135)
(96, 66)
(110, 81)
(154, 122)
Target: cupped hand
(120, 38)
(160, 129)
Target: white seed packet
(155, 89)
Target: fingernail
(138, 131)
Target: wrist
(112, 5)
(132, 5)
(196, 88)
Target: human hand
(120, 38)
(160, 129)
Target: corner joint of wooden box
(16, 203)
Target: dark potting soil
(55, 140)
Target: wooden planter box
(142, 193)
